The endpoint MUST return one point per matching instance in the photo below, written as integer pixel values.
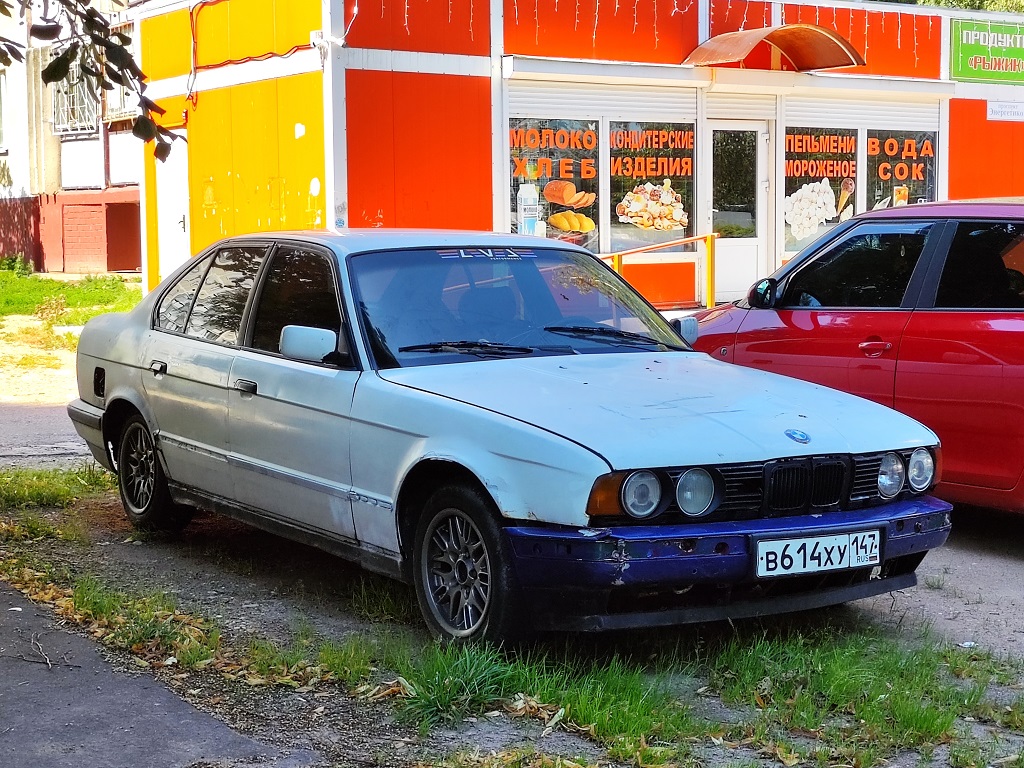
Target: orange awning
(806, 46)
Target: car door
(841, 314)
(961, 365)
(289, 419)
(189, 355)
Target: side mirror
(313, 345)
(762, 294)
(686, 327)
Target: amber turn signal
(604, 496)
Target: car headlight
(921, 469)
(695, 492)
(891, 475)
(641, 494)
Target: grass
(67, 303)
(20, 488)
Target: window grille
(74, 108)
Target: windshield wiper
(469, 347)
(612, 334)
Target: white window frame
(3, 97)
(117, 104)
(74, 109)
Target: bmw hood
(671, 408)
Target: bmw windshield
(422, 307)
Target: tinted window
(985, 267)
(217, 314)
(541, 301)
(173, 310)
(299, 290)
(870, 267)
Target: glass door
(739, 204)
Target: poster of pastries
(652, 180)
(901, 168)
(557, 161)
(821, 182)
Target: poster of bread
(559, 158)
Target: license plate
(785, 557)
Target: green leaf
(151, 105)
(144, 128)
(162, 150)
(45, 31)
(58, 68)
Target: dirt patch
(29, 372)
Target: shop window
(901, 168)
(652, 173)
(984, 268)
(555, 179)
(820, 182)
(869, 268)
(74, 108)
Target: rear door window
(217, 312)
(984, 268)
(869, 268)
(172, 313)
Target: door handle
(245, 386)
(181, 221)
(158, 367)
(874, 348)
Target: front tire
(142, 484)
(462, 567)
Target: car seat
(489, 313)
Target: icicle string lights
(536, 21)
(576, 22)
(743, 24)
(636, 13)
(407, 18)
(597, 15)
(655, 22)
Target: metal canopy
(806, 46)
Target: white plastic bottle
(527, 209)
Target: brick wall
(90, 232)
(85, 238)
(19, 228)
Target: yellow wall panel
(256, 158)
(301, 131)
(166, 45)
(252, 27)
(213, 29)
(149, 162)
(294, 21)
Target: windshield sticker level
(495, 254)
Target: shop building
(634, 122)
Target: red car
(920, 308)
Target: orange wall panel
(738, 15)
(166, 45)
(413, 160)
(664, 285)
(892, 43)
(971, 174)
(429, 26)
(661, 31)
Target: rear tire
(462, 569)
(142, 484)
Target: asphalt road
(62, 705)
(38, 436)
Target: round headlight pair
(641, 493)
(919, 473)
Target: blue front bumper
(629, 576)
